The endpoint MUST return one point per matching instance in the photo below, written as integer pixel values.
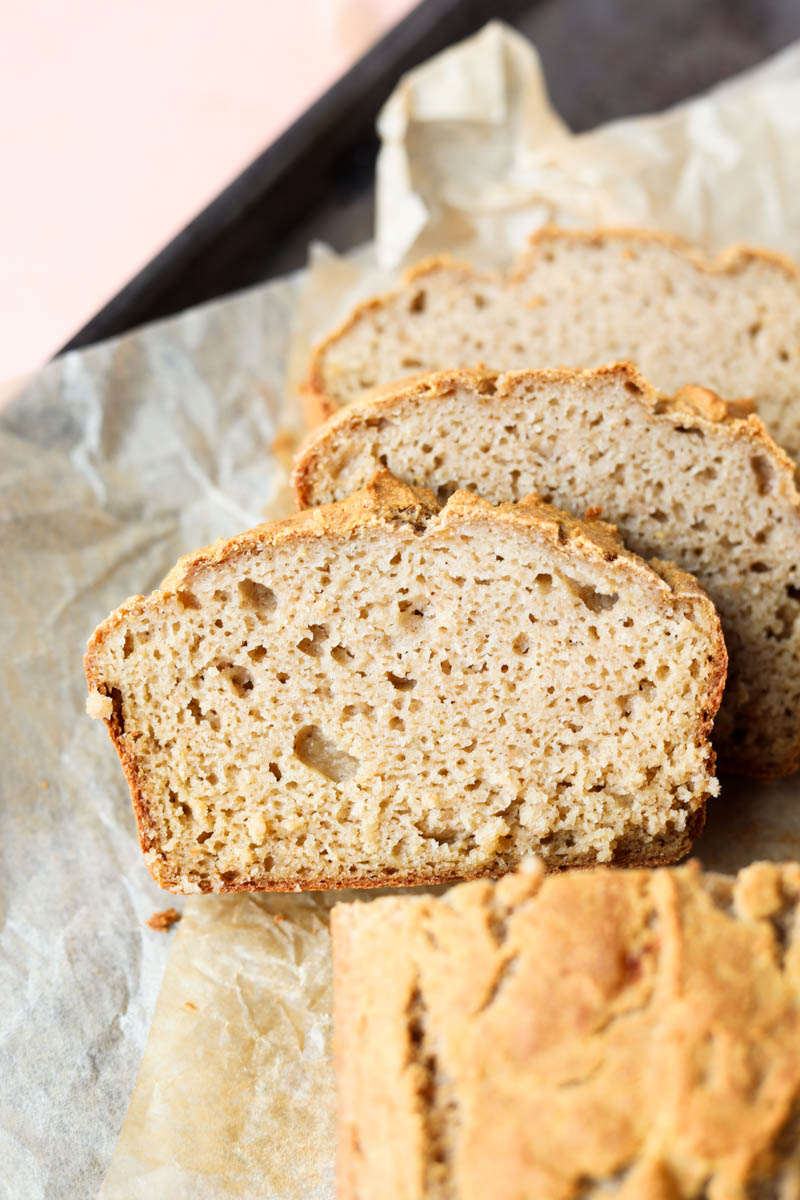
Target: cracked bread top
(630, 1034)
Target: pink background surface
(121, 119)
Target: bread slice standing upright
(582, 299)
(683, 477)
(382, 692)
(593, 1034)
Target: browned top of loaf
(630, 1033)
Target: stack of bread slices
(548, 526)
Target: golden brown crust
(566, 1037)
(387, 500)
(729, 261)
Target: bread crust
(620, 1009)
(318, 404)
(387, 501)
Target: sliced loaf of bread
(595, 1034)
(381, 691)
(683, 477)
(581, 300)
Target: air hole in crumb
(760, 568)
(445, 666)
(395, 559)
(593, 599)
(275, 770)
(313, 645)
(257, 596)
(408, 361)
(418, 303)
(755, 329)
(402, 684)
(445, 490)
(632, 388)
(521, 644)
(222, 597)
(397, 723)
(478, 300)
(544, 582)
(783, 355)
(763, 472)
(342, 655)
(128, 646)
(659, 515)
(321, 754)
(203, 837)
(257, 654)
(240, 680)
(188, 600)
(281, 677)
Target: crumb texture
(386, 692)
(629, 1034)
(583, 300)
(683, 477)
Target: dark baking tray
(602, 59)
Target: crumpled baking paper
(116, 460)
(473, 158)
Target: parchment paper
(116, 460)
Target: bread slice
(381, 691)
(581, 300)
(592, 1034)
(684, 477)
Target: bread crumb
(188, 1004)
(98, 705)
(593, 512)
(164, 920)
